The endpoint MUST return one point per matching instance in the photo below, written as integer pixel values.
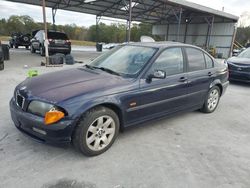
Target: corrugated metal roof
(150, 11)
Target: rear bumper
(239, 76)
(59, 49)
(34, 127)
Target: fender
(218, 83)
(106, 100)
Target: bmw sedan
(126, 86)
(239, 67)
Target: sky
(236, 7)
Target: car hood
(62, 85)
(239, 60)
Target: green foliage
(243, 35)
(106, 33)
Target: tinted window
(57, 35)
(196, 59)
(209, 61)
(170, 61)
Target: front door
(161, 96)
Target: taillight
(68, 42)
(50, 40)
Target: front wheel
(212, 100)
(96, 131)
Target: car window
(57, 35)
(245, 53)
(170, 61)
(196, 60)
(127, 60)
(37, 35)
(209, 61)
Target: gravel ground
(189, 150)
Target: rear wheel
(96, 131)
(32, 50)
(27, 47)
(42, 51)
(212, 100)
(16, 46)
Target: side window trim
(205, 54)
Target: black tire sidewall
(87, 121)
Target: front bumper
(33, 126)
(239, 76)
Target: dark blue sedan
(239, 67)
(126, 86)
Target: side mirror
(158, 74)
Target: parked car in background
(58, 43)
(19, 39)
(236, 52)
(1, 57)
(127, 85)
(239, 67)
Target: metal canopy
(147, 11)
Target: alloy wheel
(100, 133)
(213, 99)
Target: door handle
(183, 79)
(209, 74)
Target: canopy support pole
(98, 18)
(54, 17)
(130, 19)
(179, 25)
(46, 35)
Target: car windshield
(124, 60)
(245, 53)
(57, 35)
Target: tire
(27, 47)
(90, 128)
(11, 45)
(32, 50)
(42, 51)
(16, 46)
(212, 100)
(1, 65)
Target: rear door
(200, 75)
(161, 96)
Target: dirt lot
(191, 150)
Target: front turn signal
(53, 116)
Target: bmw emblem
(239, 69)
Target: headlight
(50, 112)
(39, 108)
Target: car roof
(162, 44)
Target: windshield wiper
(108, 70)
(89, 67)
(103, 69)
